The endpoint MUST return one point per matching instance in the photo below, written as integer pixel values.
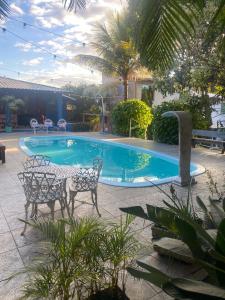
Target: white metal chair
(48, 124)
(34, 125)
(61, 124)
(41, 188)
(84, 180)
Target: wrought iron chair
(41, 188)
(36, 161)
(84, 180)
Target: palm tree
(74, 4)
(162, 27)
(117, 53)
(4, 8)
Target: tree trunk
(125, 85)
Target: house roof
(9, 83)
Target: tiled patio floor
(16, 251)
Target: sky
(30, 54)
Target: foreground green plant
(208, 251)
(79, 259)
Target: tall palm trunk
(125, 85)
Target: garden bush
(165, 130)
(136, 110)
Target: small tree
(132, 112)
(11, 104)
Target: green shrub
(137, 111)
(165, 130)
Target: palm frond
(4, 9)
(71, 5)
(162, 27)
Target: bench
(2, 153)
(210, 137)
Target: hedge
(165, 130)
(135, 110)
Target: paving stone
(10, 263)
(6, 242)
(3, 224)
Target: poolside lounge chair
(48, 124)
(34, 125)
(84, 180)
(41, 188)
(61, 124)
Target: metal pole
(99, 97)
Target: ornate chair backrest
(41, 187)
(86, 179)
(36, 161)
(61, 123)
(34, 123)
(97, 165)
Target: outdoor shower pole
(185, 136)
(100, 98)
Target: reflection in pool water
(123, 165)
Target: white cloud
(62, 74)
(1, 63)
(16, 9)
(25, 47)
(33, 62)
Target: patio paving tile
(11, 290)
(10, 262)
(3, 224)
(30, 237)
(14, 222)
(7, 242)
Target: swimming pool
(124, 165)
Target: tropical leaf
(136, 211)
(4, 8)
(74, 4)
(163, 27)
(182, 288)
(153, 275)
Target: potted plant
(11, 104)
(81, 259)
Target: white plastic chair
(61, 124)
(47, 124)
(34, 125)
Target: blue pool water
(123, 165)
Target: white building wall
(159, 98)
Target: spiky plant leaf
(182, 288)
(136, 211)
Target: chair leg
(26, 217)
(72, 200)
(94, 197)
(62, 205)
(51, 205)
